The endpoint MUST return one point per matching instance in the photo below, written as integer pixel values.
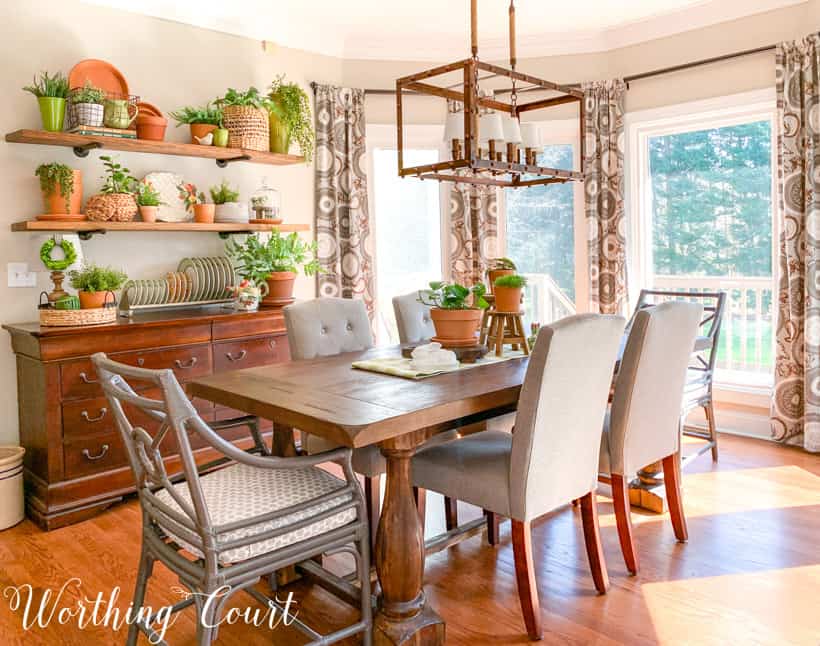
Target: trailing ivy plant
(94, 278)
(88, 94)
(53, 175)
(452, 296)
(49, 86)
(208, 114)
(256, 260)
(250, 97)
(223, 193)
(290, 103)
(117, 178)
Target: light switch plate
(20, 276)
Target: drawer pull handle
(272, 343)
(238, 356)
(186, 365)
(140, 362)
(84, 415)
(93, 458)
(85, 379)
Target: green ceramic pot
(221, 137)
(52, 110)
(279, 135)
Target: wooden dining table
(355, 408)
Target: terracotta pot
(280, 288)
(55, 203)
(456, 327)
(149, 213)
(151, 128)
(204, 213)
(93, 300)
(200, 130)
(492, 274)
(508, 299)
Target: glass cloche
(264, 203)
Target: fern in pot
(115, 201)
(94, 283)
(273, 265)
(290, 118)
(86, 106)
(201, 120)
(62, 188)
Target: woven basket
(111, 207)
(66, 318)
(247, 127)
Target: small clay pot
(151, 127)
(280, 289)
(200, 130)
(149, 213)
(93, 300)
(457, 328)
(508, 299)
(204, 213)
(492, 274)
(55, 202)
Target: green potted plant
(116, 200)
(273, 265)
(508, 292)
(290, 118)
(62, 188)
(86, 106)
(51, 93)
(202, 120)
(203, 211)
(499, 267)
(245, 115)
(456, 312)
(94, 282)
(148, 201)
(227, 207)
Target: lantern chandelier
(484, 134)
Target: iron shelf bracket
(222, 163)
(224, 235)
(87, 235)
(82, 151)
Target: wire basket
(117, 112)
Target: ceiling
(438, 30)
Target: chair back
(413, 318)
(327, 326)
(561, 411)
(646, 406)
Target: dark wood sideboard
(75, 463)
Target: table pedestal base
(648, 491)
(422, 629)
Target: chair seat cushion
(475, 469)
(242, 492)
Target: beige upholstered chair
(551, 458)
(413, 318)
(643, 424)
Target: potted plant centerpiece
(245, 115)
(148, 201)
(202, 121)
(456, 312)
(499, 267)
(86, 106)
(116, 200)
(273, 265)
(508, 292)
(290, 118)
(228, 207)
(51, 93)
(62, 188)
(93, 283)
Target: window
(704, 195)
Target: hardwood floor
(750, 573)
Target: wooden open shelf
(83, 143)
(88, 226)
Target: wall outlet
(20, 276)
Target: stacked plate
(144, 292)
(209, 277)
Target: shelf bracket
(87, 235)
(222, 163)
(224, 235)
(82, 151)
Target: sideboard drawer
(248, 353)
(94, 454)
(80, 380)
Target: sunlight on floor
(771, 607)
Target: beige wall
(167, 64)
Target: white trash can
(12, 508)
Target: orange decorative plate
(100, 74)
(149, 109)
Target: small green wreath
(61, 264)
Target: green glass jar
(279, 135)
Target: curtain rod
(631, 77)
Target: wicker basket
(248, 127)
(111, 207)
(66, 318)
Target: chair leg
(623, 519)
(710, 421)
(493, 527)
(525, 577)
(671, 479)
(592, 538)
(146, 568)
(372, 493)
(420, 495)
(450, 513)
(207, 620)
(364, 586)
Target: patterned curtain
(473, 232)
(796, 402)
(604, 190)
(343, 228)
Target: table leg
(403, 616)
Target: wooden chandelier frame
(470, 166)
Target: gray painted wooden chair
(643, 425)
(551, 459)
(241, 522)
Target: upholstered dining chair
(551, 458)
(412, 318)
(644, 422)
(235, 525)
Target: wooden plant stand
(504, 328)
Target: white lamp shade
(512, 129)
(530, 135)
(490, 127)
(454, 126)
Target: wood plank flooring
(750, 573)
